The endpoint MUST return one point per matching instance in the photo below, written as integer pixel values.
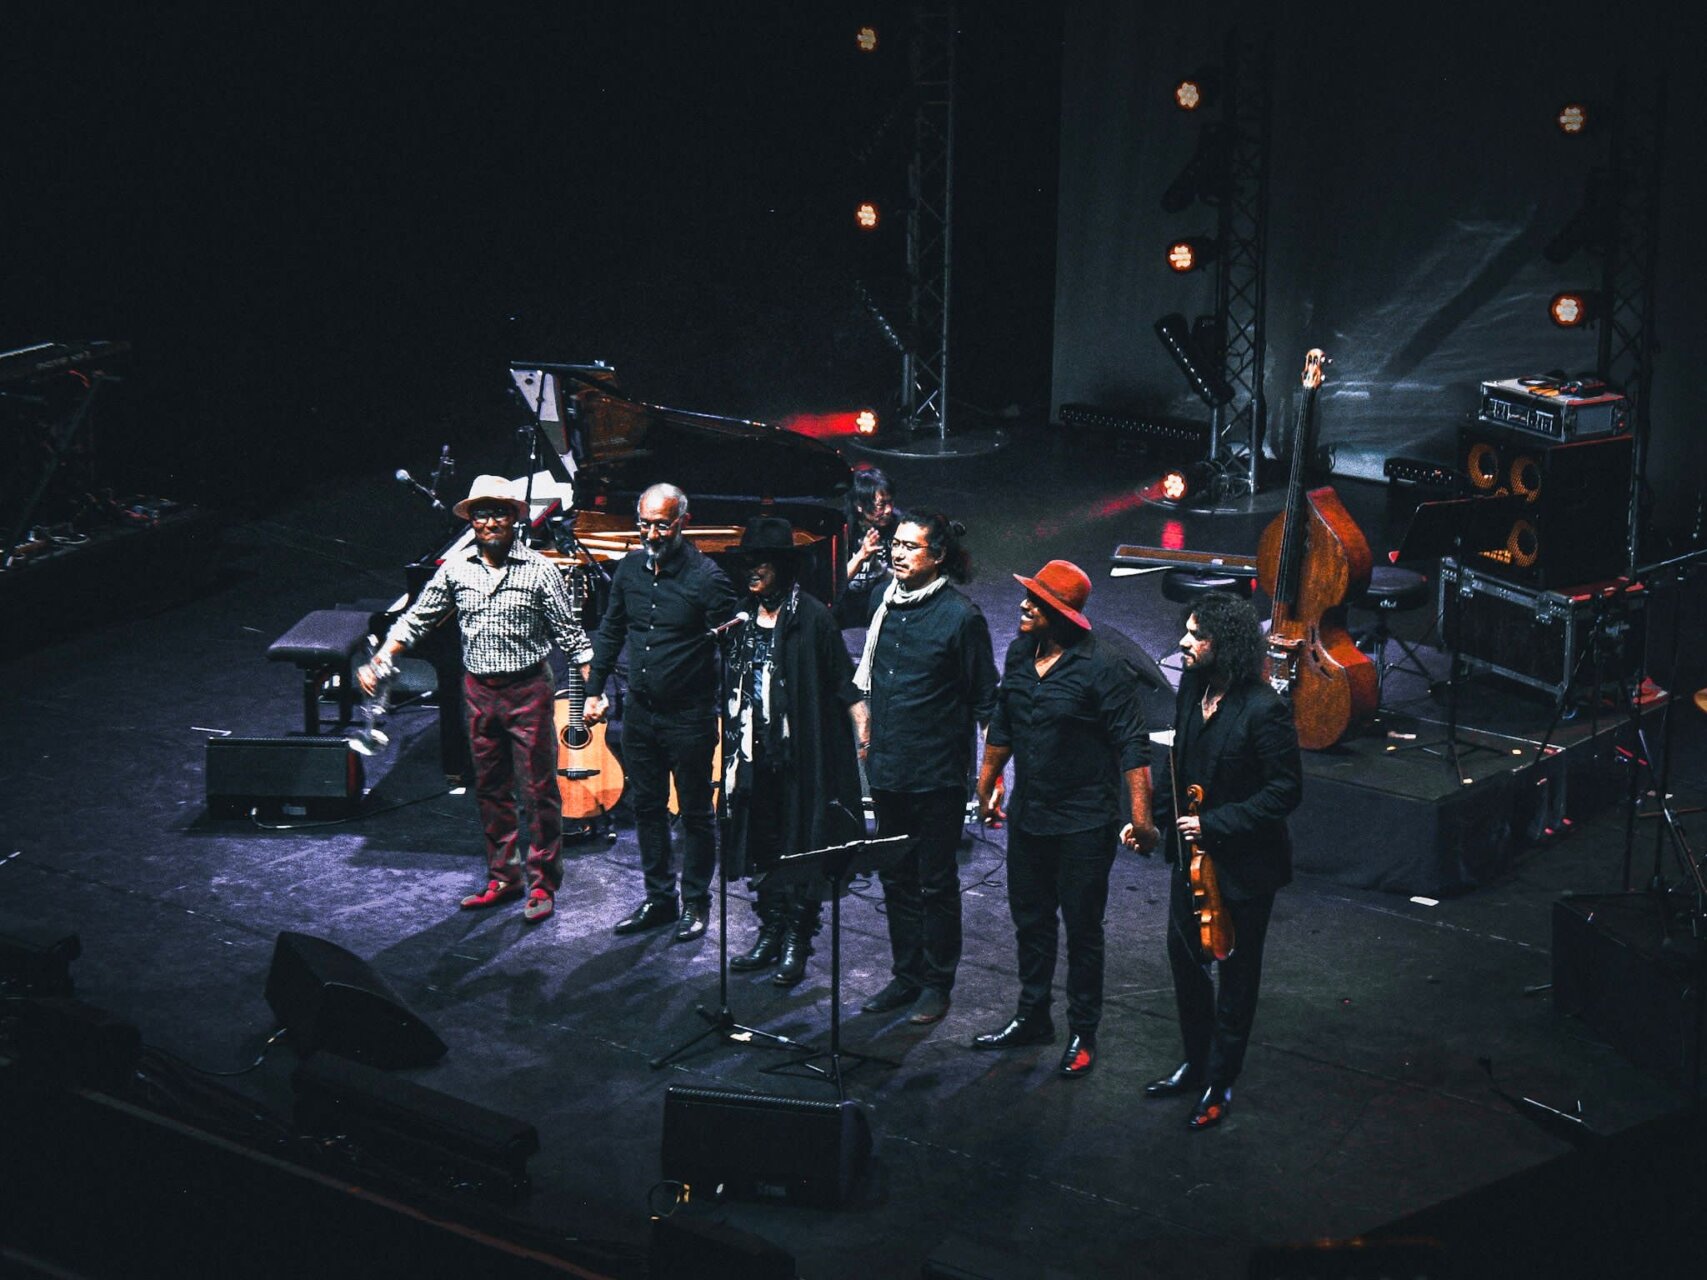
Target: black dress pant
(1065, 876)
(1216, 1023)
(657, 745)
(796, 902)
(921, 892)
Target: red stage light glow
(866, 215)
(1173, 536)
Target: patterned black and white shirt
(509, 616)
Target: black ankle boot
(796, 946)
(765, 949)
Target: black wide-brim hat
(768, 536)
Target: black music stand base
(837, 863)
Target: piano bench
(325, 644)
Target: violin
(1309, 559)
(1214, 925)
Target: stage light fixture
(1191, 253)
(1175, 485)
(1572, 118)
(865, 423)
(1574, 308)
(866, 215)
(1195, 363)
(865, 39)
(1196, 91)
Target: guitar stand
(835, 864)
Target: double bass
(1309, 559)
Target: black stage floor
(1367, 1099)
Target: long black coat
(1255, 778)
(822, 802)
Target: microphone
(409, 482)
(722, 629)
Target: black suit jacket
(1254, 779)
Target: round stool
(1184, 586)
(1391, 590)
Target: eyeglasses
(658, 524)
(901, 544)
(490, 516)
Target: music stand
(834, 864)
(1444, 529)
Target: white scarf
(894, 593)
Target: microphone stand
(721, 1023)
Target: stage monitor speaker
(1575, 524)
(691, 1249)
(410, 1126)
(1624, 966)
(331, 999)
(755, 1146)
(319, 777)
(35, 957)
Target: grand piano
(597, 449)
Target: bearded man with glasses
(511, 604)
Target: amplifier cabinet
(1573, 524)
(1561, 642)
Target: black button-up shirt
(932, 676)
(664, 618)
(1074, 732)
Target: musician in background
(511, 603)
(1067, 714)
(1234, 737)
(871, 523)
(790, 725)
(665, 598)
(930, 676)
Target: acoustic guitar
(589, 777)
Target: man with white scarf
(929, 674)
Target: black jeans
(1216, 1024)
(1065, 874)
(656, 745)
(921, 892)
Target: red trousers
(514, 739)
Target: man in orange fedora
(1067, 716)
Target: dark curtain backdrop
(326, 227)
(1416, 174)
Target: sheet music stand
(1441, 529)
(835, 864)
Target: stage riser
(1369, 823)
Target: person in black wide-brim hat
(792, 718)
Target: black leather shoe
(693, 922)
(897, 995)
(764, 952)
(1021, 1031)
(795, 948)
(931, 1006)
(1212, 1107)
(1079, 1057)
(1185, 1079)
(648, 915)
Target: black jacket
(1252, 780)
(821, 804)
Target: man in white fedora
(511, 604)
